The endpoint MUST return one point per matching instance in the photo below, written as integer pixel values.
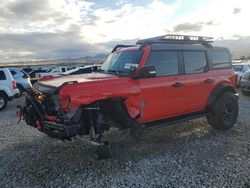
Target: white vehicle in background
(240, 69)
(82, 70)
(8, 87)
(55, 72)
(35, 73)
(22, 79)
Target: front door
(163, 96)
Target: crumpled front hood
(58, 81)
(52, 84)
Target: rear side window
(220, 59)
(2, 75)
(195, 61)
(13, 72)
(166, 62)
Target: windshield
(121, 62)
(237, 68)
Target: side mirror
(144, 72)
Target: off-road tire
(247, 93)
(3, 98)
(224, 112)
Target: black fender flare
(218, 91)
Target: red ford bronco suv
(159, 80)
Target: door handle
(208, 81)
(177, 84)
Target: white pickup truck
(8, 87)
(55, 72)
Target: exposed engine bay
(43, 111)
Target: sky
(58, 29)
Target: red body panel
(149, 99)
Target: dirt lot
(190, 154)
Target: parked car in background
(235, 61)
(22, 79)
(8, 87)
(245, 83)
(33, 74)
(27, 69)
(240, 69)
(55, 72)
(82, 70)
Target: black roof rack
(177, 39)
(119, 46)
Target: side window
(13, 72)
(195, 61)
(2, 75)
(220, 59)
(166, 62)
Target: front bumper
(57, 130)
(34, 115)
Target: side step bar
(178, 119)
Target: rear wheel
(224, 112)
(3, 101)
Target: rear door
(164, 95)
(198, 80)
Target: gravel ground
(189, 154)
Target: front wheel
(224, 112)
(3, 101)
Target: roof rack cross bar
(177, 39)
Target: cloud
(28, 11)
(130, 21)
(237, 10)
(45, 45)
(188, 27)
(38, 29)
(91, 20)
